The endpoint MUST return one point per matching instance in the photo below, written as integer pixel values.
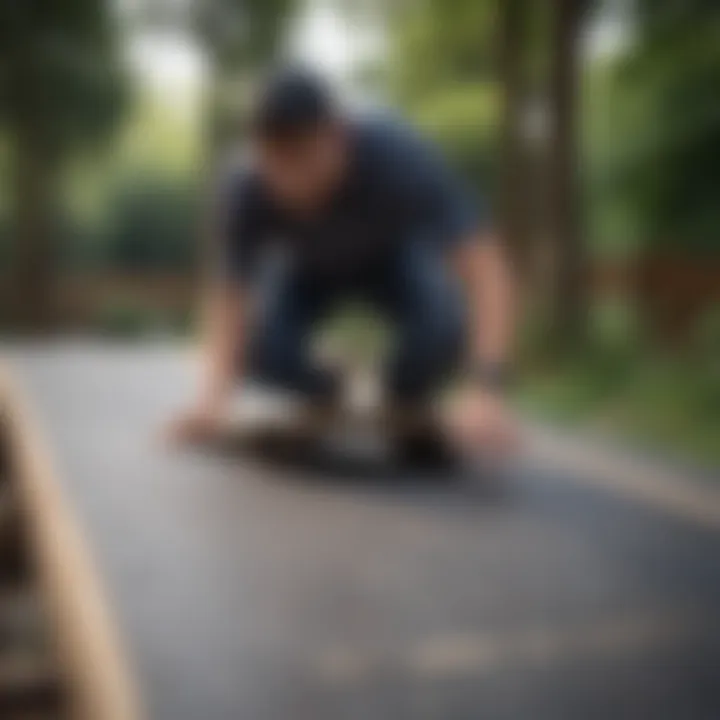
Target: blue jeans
(412, 288)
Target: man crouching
(362, 208)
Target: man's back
(394, 188)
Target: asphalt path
(247, 589)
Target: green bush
(615, 327)
(124, 317)
(145, 222)
(152, 224)
(706, 334)
(127, 317)
(4, 242)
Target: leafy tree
(464, 119)
(514, 176)
(667, 107)
(569, 282)
(241, 38)
(242, 34)
(443, 71)
(151, 225)
(61, 88)
(438, 43)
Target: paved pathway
(250, 591)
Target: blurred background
(592, 126)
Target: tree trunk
(569, 286)
(569, 302)
(514, 190)
(34, 257)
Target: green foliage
(706, 335)
(4, 242)
(664, 167)
(615, 327)
(241, 34)
(442, 71)
(241, 38)
(148, 222)
(626, 388)
(437, 42)
(125, 317)
(61, 89)
(463, 119)
(60, 81)
(137, 208)
(152, 225)
(643, 397)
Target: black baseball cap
(291, 102)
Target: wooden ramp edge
(87, 639)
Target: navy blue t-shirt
(397, 189)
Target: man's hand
(196, 425)
(224, 334)
(482, 420)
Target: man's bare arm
(482, 414)
(224, 320)
(482, 264)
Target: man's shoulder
(393, 151)
(240, 198)
(384, 133)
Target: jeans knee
(452, 332)
(430, 351)
(269, 358)
(441, 334)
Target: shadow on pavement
(371, 469)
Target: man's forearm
(224, 331)
(486, 273)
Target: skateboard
(280, 428)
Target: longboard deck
(355, 435)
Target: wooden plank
(28, 683)
(8, 519)
(88, 643)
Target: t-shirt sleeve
(436, 198)
(239, 226)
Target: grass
(669, 403)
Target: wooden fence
(671, 291)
